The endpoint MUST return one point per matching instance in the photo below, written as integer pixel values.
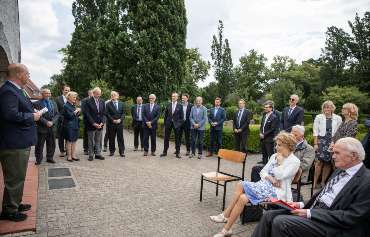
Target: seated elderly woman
(276, 179)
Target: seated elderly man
(303, 151)
(340, 209)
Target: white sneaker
(224, 233)
(219, 218)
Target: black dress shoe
(153, 154)
(24, 207)
(135, 149)
(187, 153)
(111, 154)
(50, 161)
(16, 216)
(75, 159)
(260, 162)
(99, 157)
(71, 160)
(145, 153)
(90, 158)
(37, 163)
(104, 149)
(178, 156)
(174, 153)
(163, 155)
(122, 155)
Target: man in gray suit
(340, 209)
(198, 120)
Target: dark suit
(137, 124)
(173, 121)
(269, 129)
(17, 135)
(93, 115)
(288, 121)
(71, 123)
(44, 133)
(85, 138)
(114, 129)
(348, 216)
(185, 127)
(150, 116)
(241, 138)
(216, 131)
(60, 134)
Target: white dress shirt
(329, 197)
(64, 99)
(184, 108)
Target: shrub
(230, 112)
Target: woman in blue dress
(71, 125)
(276, 179)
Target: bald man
(17, 135)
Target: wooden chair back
(230, 155)
(297, 177)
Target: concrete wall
(9, 33)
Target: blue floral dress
(258, 191)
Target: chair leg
(224, 199)
(217, 189)
(312, 189)
(298, 192)
(201, 189)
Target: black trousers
(106, 138)
(267, 148)
(113, 131)
(152, 133)
(186, 130)
(138, 133)
(167, 134)
(215, 140)
(49, 138)
(61, 139)
(279, 223)
(241, 139)
(85, 139)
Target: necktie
(97, 104)
(329, 186)
(290, 111)
(240, 117)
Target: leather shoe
(50, 161)
(260, 162)
(90, 158)
(24, 207)
(75, 159)
(187, 153)
(153, 154)
(37, 163)
(145, 153)
(163, 155)
(178, 156)
(122, 155)
(104, 149)
(16, 216)
(135, 149)
(99, 157)
(111, 154)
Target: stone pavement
(134, 196)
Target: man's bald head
(18, 73)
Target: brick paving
(134, 196)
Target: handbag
(251, 213)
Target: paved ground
(134, 196)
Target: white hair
(353, 145)
(96, 89)
(296, 96)
(300, 128)
(152, 95)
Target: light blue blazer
(199, 118)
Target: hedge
(228, 134)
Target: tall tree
(251, 75)
(222, 63)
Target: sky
(294, 28)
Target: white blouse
(319, 125)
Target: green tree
(251, 75)
(196, 70)
(342, 95)
(281, 91)
(222, 63)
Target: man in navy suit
(17, 135)
(173, 119)
(115, 118)
(46, 127)
(292, 115)
(151, 113)
(85, 138)
(216, 119)
(268, 130)
(61, 100)
(241, 122)
(94, 110)
(137, 122)
(186, 126)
